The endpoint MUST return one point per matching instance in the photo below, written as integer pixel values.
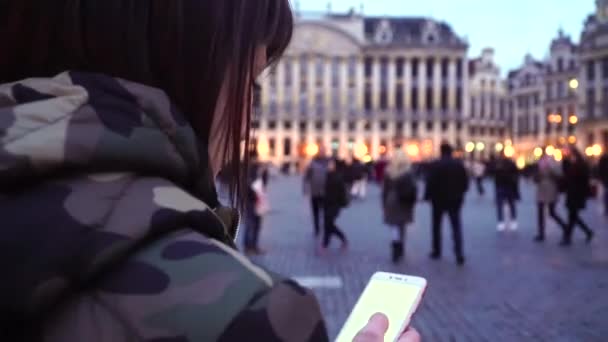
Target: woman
(577, 180)
(548, 177)
(336, 198)
(115, 118)
(255, 208)
(399, 196)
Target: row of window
(415, 67)
(528, 101)
(558, 90)
(591, 69)
(592, 101)
(485, 107)
(414, 98)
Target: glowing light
(573, 83)
(521, 163)
(263, 149)
(312, 150)
(366, 158)
(480, 146)
(499, 147)
(509, 151)
(558, 118)
(470, 147)
(538, 152)
(508, 142)
(382, 149)
(361, 150)
(413, 150)
(597, 150)
(550, 150)
(562, 140)
(572, 139)
(573, 119)
(427, 147)
(558, 155)
(589, 151)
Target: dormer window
(430, 33)
(384, 33)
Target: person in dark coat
(577, 179)
(602, 169)
(336, 198)
(399, 196)
(506, 180)
(253, 219)
(447, 183)
(548, 176)
(314, 186)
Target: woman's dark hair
(188, 48)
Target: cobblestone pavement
(511, 289)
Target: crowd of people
(331, 185)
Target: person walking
(447, 184)
(577, 185)
(360, 174)
(506, 180)
(335, 199)
(479, 170)
(256, 207)
(603, 177)
(548, 178)
(315, 179)
(399, 194)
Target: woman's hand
(376, 328)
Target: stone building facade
(365, 86)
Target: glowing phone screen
(394, 299)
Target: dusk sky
(512, 27)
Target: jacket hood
(83, 122)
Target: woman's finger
(374, 330)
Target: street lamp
(572, 139)
(480, 146)
(311, 150)
(499, 147)
(573, 119)
(573, 84)
(470, 147)
(538, 152)
(549, 150)
(509, 151)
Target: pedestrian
(256, 207)
(603, 177)
(548, 178)
(335, 199)
(506, 180)
(399, 194)
(116, 118)
(479, 170)
(315, 178)
(447, 183)
(360, 174)
(577, 185)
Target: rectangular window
(444, 126)
(491, 112)
(400, 64)
(383, 126)
(368, 97)
(561, 89)
(287, 147)
(590, 103)
(473, 106)
(445, 64)
(272, 146)
(444, 98)
(335, 125)
(369, 66)
(549, 90)
(399, 97)
(303, 126)
(383, 99)
(459, 68)
(414, 128)
(414, 99)
(459, 99)
(384, 70)
(590, 71)
(483, 107)
(352, 126)
(430, 68)
(335, 72)
(429, 126)
(288, 69)
(605, 67)
(429, 99)
(415, 62)
(560, 65)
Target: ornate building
(561, 87)
(526, 95)
(593, 93)
(487, 119)
(364, 86)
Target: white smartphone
(395, 295)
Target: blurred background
(363, 81)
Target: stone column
(437, 85)
(376, 84)
(407, 85)
(265, 92)
(452, 85)
(295, 86)
(280, 87)
(327, 87)
(343, 89)
(360, 84)
(464, 86)
(312, 83)
(392, 82)
(598, 85)
(422, 84)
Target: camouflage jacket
(111, 229)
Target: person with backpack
(336, 198)
(314, 186)
(506, 180)
(399, 194)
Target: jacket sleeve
(189, 288)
